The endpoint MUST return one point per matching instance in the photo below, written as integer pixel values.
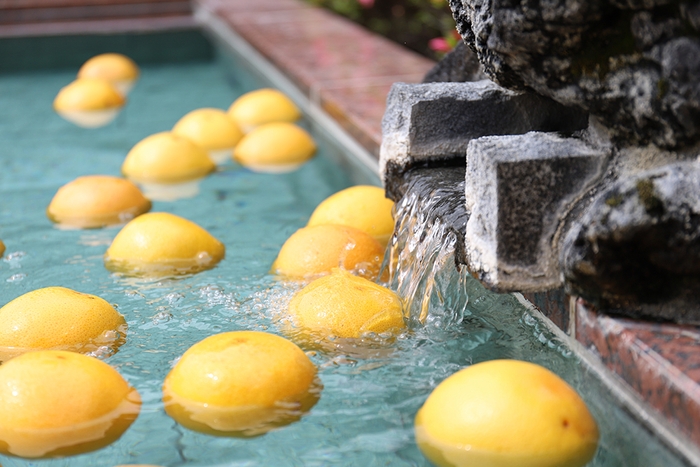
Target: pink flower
(366, 3)
(439, 44)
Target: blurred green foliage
(425, 26)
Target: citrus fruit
(343, 305)
(118, 69)
(311, 251)
(275, 148)
(263, 106)
(240, 383)
(2, 248)
(363, 207)
(55, 403)
(97, 201)
(505, 413)
(88, 102)
(58, 318)
(211, 129)
(162, 244)
(167, 166)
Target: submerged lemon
(162, 244)
(263, 106)
(2, 248)
(316, 250)
(505, 413)
(167, 166)
(58, 318)
(55, 403)
(275, 148)
(97, 201)
(118, 69)
(240, 383)
(363, 207)
(343, 305)
(211, 129)
(89, 102)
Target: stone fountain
(576, 125)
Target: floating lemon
(363, 207)
(167, 166)
(263, 106)
(2, 248)
(316, 250)
(275, 148)
(97, 201)
(118, 69)
(211, 129)
(343, 305)
(58, 318)
(241, 383)
(505, 413)
(55, 403)
(162, 244)
(89, 102)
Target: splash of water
(422, 264)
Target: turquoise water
(365, 414)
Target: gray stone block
(436, 121)
(518, 189)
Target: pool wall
(345, 72)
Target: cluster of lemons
(245, 383)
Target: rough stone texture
(518, 189)
(636, 250)
(435, 121)
(633, 63)
(460, 65)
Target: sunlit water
(365, 414)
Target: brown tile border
(660, 362)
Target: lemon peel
(55, 403)
(363, 207)
(503, 413)
(263, 106)
(161, 244)
(59, 318)
(97, 201)
(345, 306)
(241, 383)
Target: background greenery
(425, 26)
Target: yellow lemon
(275, 148)
(97, 201)
(55, 403)
(167, 166)
(118, 69)
(211, 129)
(2, 248)
(162, 244)
(311, 251)
(58, 318)
(263, 106)
(505, 413)
(240, 383)
(363, 207)
(343, 305)
(89, 102)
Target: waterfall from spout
(422, 259)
